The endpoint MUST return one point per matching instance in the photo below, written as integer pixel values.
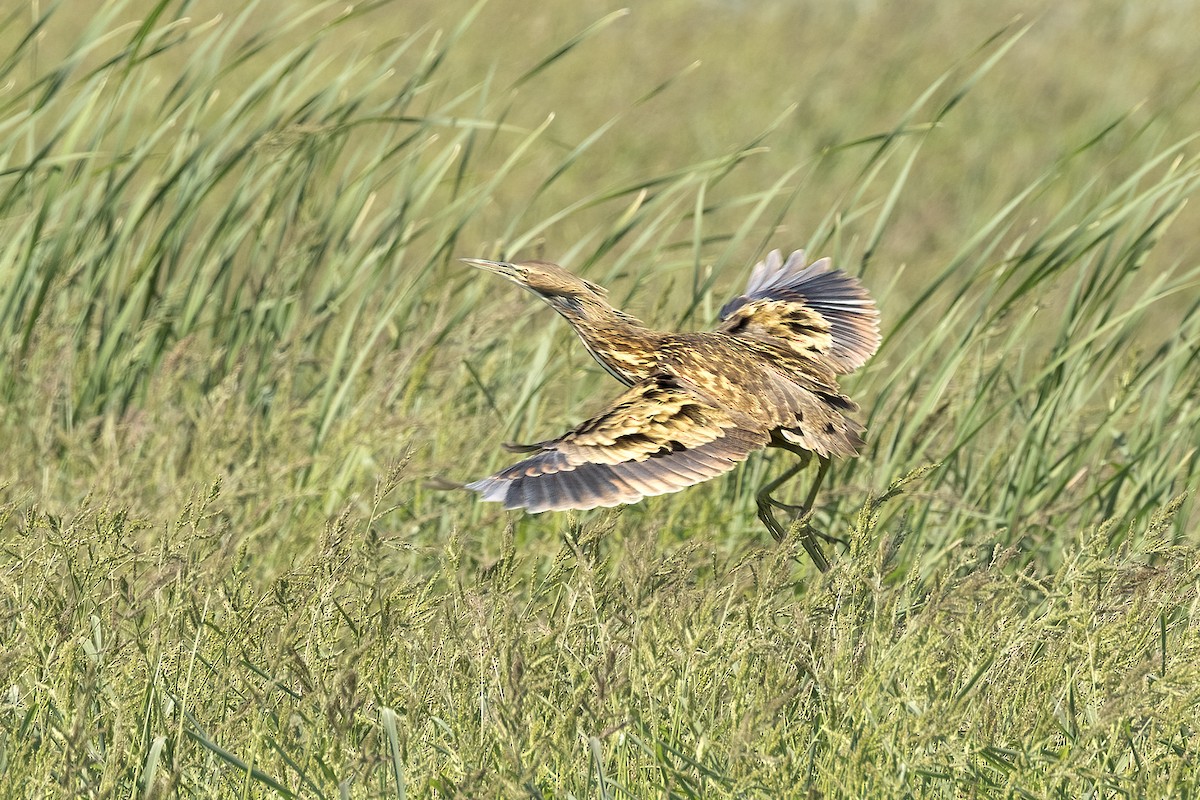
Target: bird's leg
(800, 509)
(767, 516)
(764, 499)
(808, 533)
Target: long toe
(769, 522)
(813, 548)
(830, 537)
(795, 508)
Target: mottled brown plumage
(697, 404)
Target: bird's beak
(502, 268)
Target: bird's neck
(620, 343)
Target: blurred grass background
(236, 342)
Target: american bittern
(700, 403)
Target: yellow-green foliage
(236, 344)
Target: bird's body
(699, 403)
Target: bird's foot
(806, 533)
(767, 518)
(798, 512)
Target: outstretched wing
(654, 439)
(810, 309)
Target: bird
(696, 404)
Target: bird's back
(766, 385)
(774, 360)
(803, 325)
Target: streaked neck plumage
(620, 343)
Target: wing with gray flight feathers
(654, 439)
(810, 308)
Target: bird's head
(548, 281)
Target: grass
(237, 344)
